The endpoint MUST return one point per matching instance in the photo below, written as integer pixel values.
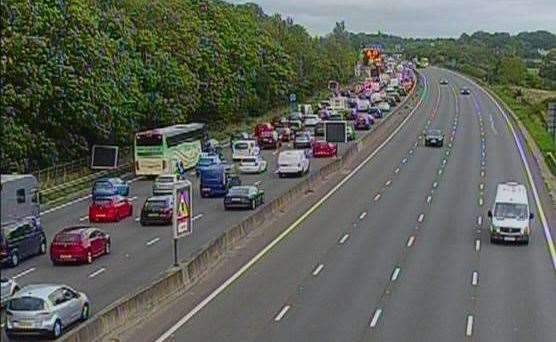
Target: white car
(384, 106)
(254, 164)
(244, 148)
(292, 162)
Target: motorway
(399, 252)
(139, 255)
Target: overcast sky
(417, 18)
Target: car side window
(57, 297)
(68, 294)
(16, 234)
(27, 229)
(20, 194)
(93, 234)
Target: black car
(157, 210)
(319, 129)
(244, 197)
(20, 240)
(465, 91)
(302, 140)
(434, 137)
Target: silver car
(9, 288)
(45, 309)
(164, 184)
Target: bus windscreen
(148, 140)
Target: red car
(110, 209)
(322, 148)
(80, 244)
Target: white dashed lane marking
(282, 313)
(19, 275)
(318, 269)
(363, 214)
(94, 274)
(395, 274)
(376, 317)
(153, 241)
(410, 241)
(344, 238)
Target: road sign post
(293, 100)
(182, 213)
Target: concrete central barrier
(149, 299)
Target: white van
(293, 162)
(510, 216)
(244, 148)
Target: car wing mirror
(489, 213)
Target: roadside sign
(182, 222)
(335, 131)
(104, 157)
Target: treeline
(77, 73)
(526, 59)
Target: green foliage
(76, 73)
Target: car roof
(511, 192)
(77, 228)
(159, 198)
(241, 187)
(434, 131)
(38, 290)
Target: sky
(417, 18)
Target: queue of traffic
(172, 154)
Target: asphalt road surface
(140, 254)
(401, 251)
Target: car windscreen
(68, 237)
(511, 211)
(165, 179)
(103, 185)
(156, 205)
(238, 192)
(148, 140)
(102, 200)
(206, 161)
(26, 304)
(434, 132)
(241, 146)
(248, 161)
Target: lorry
(20, 197)
(510, 218)
(216, 180)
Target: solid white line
(377, 197)
(420, 218)
(363, 214)
(475, 279)
(410, 241)
(344, 238)
(477, 245)
(376, 317)
(285, 233)
(19, 275)
(282, 313)
(65, 205)
(196, 217)
(544, 221)
(318, 269)
(153, 241)
(469, 328)
(94, 274)
(395, 274)
(84, 218)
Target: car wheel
(14, 260)
(42, 248)
(107, 248)
(57, 329)
(89, 258)
(85, 313)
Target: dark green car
(244, 197)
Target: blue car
(110, 187)
(216, 180)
